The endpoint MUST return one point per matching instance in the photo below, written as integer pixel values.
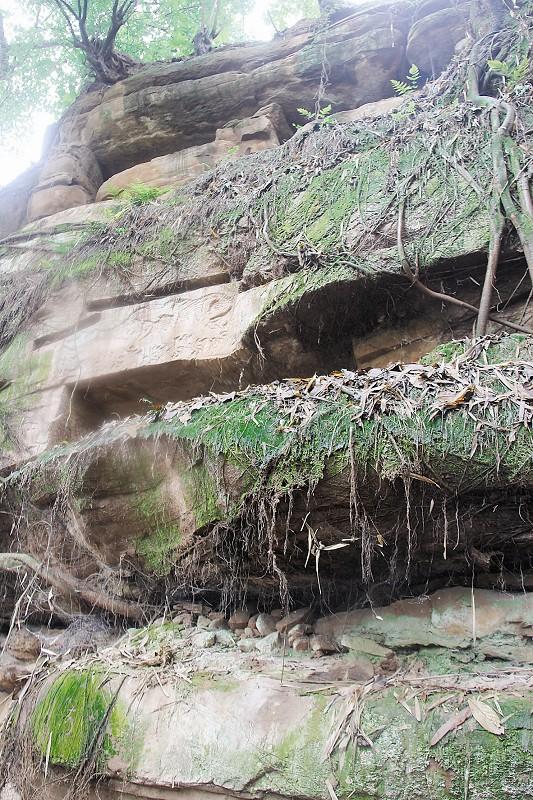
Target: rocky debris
(358, 669)
(203, 622)
(12, 675)
(360, 644)
(297, 617)
(225, 638)
(239, 620)
(204, 639)
(321, 644)
(265, 624)
(84, 635)
(247, 645)
(300, 643)
(270, 644)
(23, 645)
(183, 618)
(219, 623)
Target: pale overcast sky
(18, 155)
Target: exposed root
(67, 585)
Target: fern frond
(414, 74)
(401, 87)
(499, 67)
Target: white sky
(16, 156)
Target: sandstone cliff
(241, 389)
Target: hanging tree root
(69, 586)
(443, 298)
(503, 205)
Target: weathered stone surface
(296, 617)
(360, 644)
(272, 643)
(225, 638)
(320, 643)
(265, 624)
(157, 111)
(240, 720)
(267, 128)
(204, 639)
(432, 39)
(449, 618)
(24, 645)
(56, 198)
(239, 620)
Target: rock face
(251, 408)
(170, 121)
(266, 129)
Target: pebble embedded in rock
(247, 633)
(239, 620)
(265, 624)
(203, 622)
(294, 618)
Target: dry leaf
(451, 724)
(449, 400)
(486, 716)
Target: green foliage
(162, 535)
(138, 194)
(514, 75)
(410, 84)
(322, 115)
(69, 718)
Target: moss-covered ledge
(399, 460)
(385, 749)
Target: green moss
(163, 535)
(22, 372)
(202, 494)
(68, 719)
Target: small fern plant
(410, 84)
(323, 116)
(513, 76)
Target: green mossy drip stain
(67, 721)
